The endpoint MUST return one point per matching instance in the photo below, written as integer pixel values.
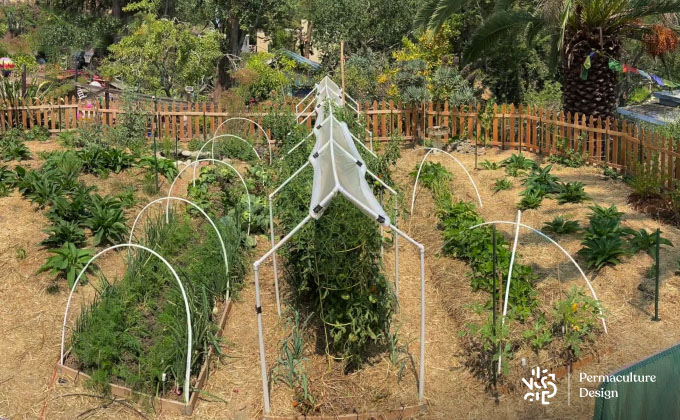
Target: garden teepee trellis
(338, 169)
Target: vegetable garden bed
(162, 404)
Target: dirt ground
(30, 318)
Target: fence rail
(617, 143)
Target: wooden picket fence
(619, 144)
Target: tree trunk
(234, 31)
(307, 41)
(116, 9)
(596, 95)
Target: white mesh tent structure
(338, 169)
(324, 91)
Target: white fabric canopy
(338, 168)
(327, 89)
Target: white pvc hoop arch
(430, 150)
(212, 151)
(266, 136)
(219, 236)
(196, 162)
(212, 140)
(187, 375)
(590, 286)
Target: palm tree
(579, 28)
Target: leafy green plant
(517, 163)
(67, 262)
(7, 180)
(166, 167)
(486, 164)
(531, 199)
(106, 222)
(99, 160)
(432, 172)
(502, 184)
(542, 181)
(646, 183)
(599, 212)
(489, 342)
(610, 173)
(14, 150)
(40, 187)
(602, 250)
(561, 226)
(290, 368)
(37, 133)
(20, 253)
(74, 208)
(568, 156)
(540, 333)
(578, 315)
(646, 242)
(127, 197)
(62, 232)
(569, 192)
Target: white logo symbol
(539, 385)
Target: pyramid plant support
(295, 174)
(343, 172)
(284, 240)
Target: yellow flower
(576, 328)
(574, 307)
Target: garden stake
(155, 133)
(656, 289)
(493, 300)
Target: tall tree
(579, 29)
(163, 54)
(378, 24)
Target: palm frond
(444, 10)
(499, 25)
(425, 14)
(434, 13)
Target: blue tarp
(301, 59)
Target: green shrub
(645, 183)
(37, 133)
(610, 173)
(568, 156)
(14, 150)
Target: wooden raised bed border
(161, 404)
(402, 413)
